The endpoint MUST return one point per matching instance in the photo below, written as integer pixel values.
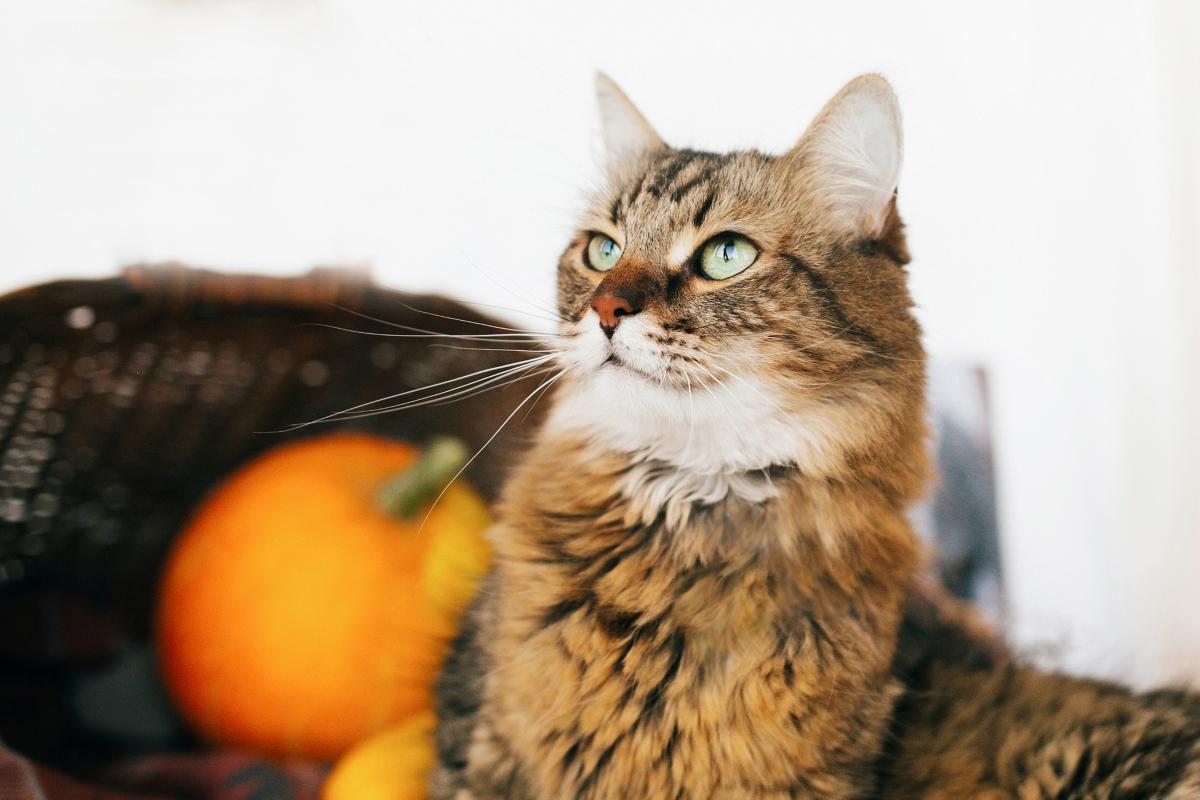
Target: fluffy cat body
(718, 659)
(701, 566)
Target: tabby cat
(701, 565)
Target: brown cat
(964, 732)
(702, 563)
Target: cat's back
(1016, 732)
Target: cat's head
(742, 311)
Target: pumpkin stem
(407, 493)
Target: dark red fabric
(210, 776)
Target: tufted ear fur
(627, 134)
(851, 155)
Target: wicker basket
(123, 401)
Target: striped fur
(1019, 733)
(703, 562)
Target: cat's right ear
(851, 155)
(627, 135)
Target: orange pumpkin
(310, 601)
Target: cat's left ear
(627, 134)
(850, 155)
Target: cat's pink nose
(610, 307)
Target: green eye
(602, 253)
(726, 256)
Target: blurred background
(1051, 188)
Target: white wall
(1091, 356)
(1050, 188)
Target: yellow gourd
(392, 765)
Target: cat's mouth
(614, 360)
(646, 363)
(633, 350)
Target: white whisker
(465, 321)
(720, 385)
(687, 448)
(495, 349)
(452, 396)
(505, 338)
(402, 326)
(556, 318)
(751, 387)
(491, 438)
(503, 368)
(453, 392)
(510, 292)
(544, 389)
